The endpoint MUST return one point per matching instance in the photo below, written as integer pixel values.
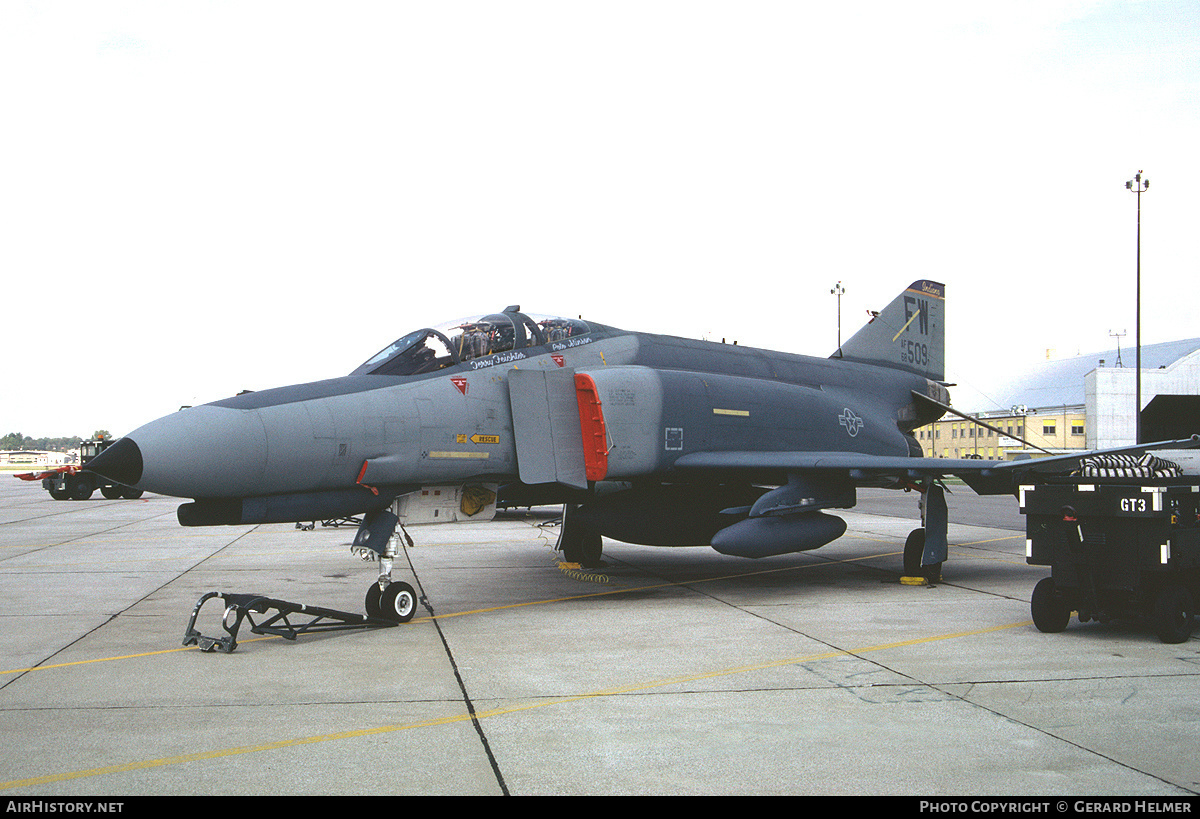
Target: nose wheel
(396, 602)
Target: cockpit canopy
(434, 348)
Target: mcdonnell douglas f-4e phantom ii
(647, 439)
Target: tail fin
(909, 334)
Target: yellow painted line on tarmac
(990, 540)
(128, 656)
(650, 587)
(1012, 560)
(462, 613)
(57, 566)
(490, 609)
(494, 712)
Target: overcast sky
(203, 197)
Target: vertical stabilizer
(909, 334)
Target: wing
(985, 477)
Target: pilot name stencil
(569, 343)
(498, 358)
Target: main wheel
(398, 602)
(1173, 613)
(1050, 613)
(587, 552)
(914, 550)
(579, 544)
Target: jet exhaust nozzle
(778, 535)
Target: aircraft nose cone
(201, 452)
(121, 462)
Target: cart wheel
(111, 492)
(129, 493)
(1050, 613)
(1173, 613)
(60, 494)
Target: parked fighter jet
(647, 439)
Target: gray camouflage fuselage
(662, 397)
(566, 408)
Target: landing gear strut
(388, 602)
(926, 548)
(379, 536)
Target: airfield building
(1084, 402)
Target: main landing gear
(926, 548)
(578, 542)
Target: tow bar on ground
(241, 607)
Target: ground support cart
(1117, 547)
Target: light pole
(838, 290)
(1138, 185)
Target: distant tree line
(15, 440)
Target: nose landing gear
(379, 537)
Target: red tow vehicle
(73, 482)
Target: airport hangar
(1083, 402)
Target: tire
(79, 488)
(60, 494)
(398, 603)
(1174, 611)
(129, 493)
(579, 544)
(111, 492)
(1050, 613)
(372, 602)
(590, 551)
(914, 550)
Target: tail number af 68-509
(914, 352)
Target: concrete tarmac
(672, 671)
